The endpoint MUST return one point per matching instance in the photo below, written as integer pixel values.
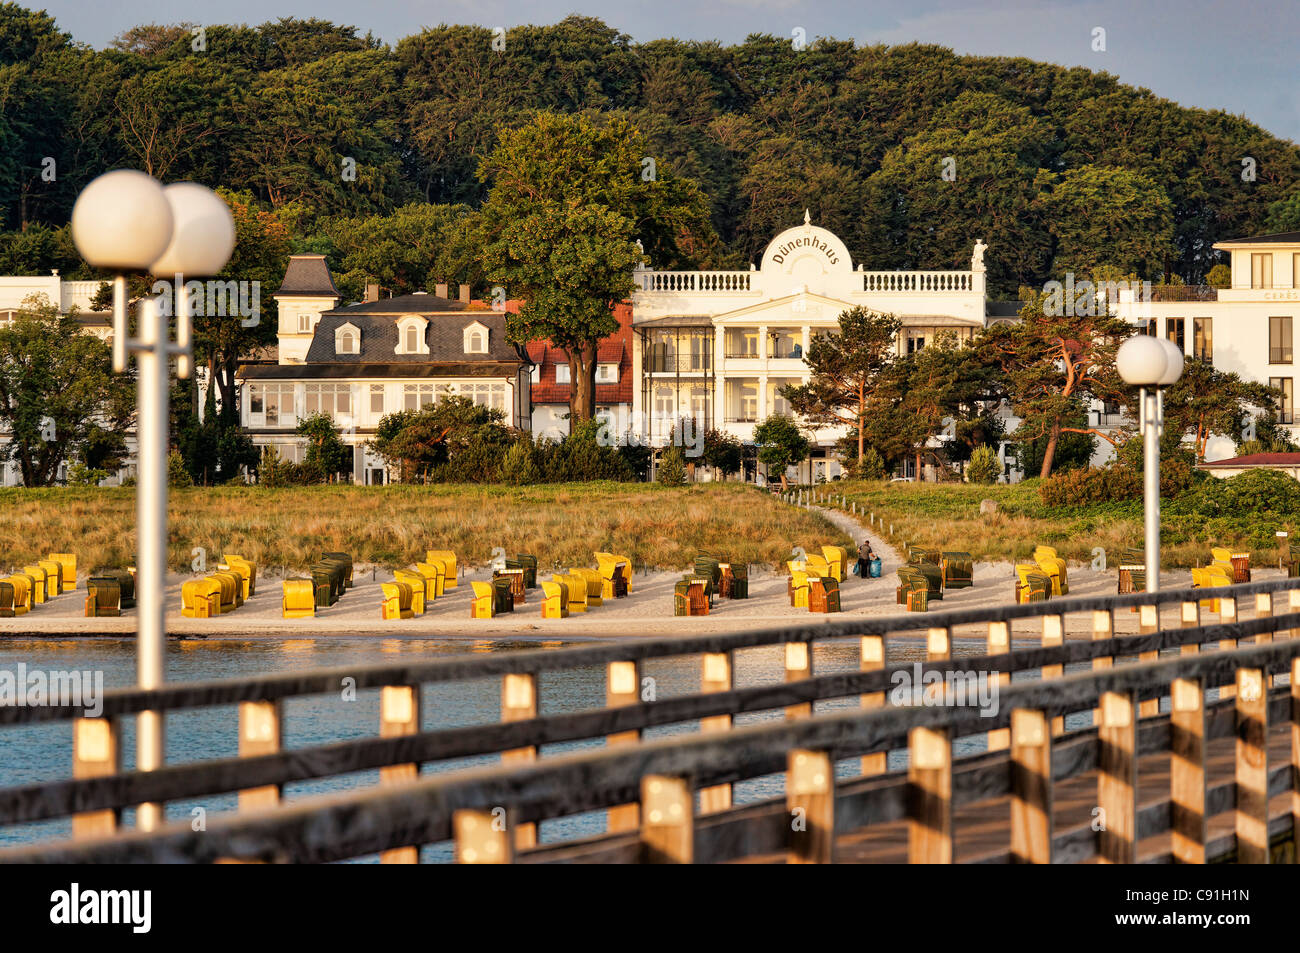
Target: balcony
(924, 281)
(1184, 293)
(724, 282)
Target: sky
(1237, 56)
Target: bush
(983, 466)
(871, 466)
(1258, 496)
(1097, 485)
(672, 467)
(518, 466)
(177, 475)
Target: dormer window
(347, 339)
(410, 335)
(476, 339)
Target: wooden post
(1227, 614)
(873, 659)
(622, 681)
(1295, 753)
(1191, 618)
(1117, 780)
(519, 703)
(1294, 604)
(1031, 788)
(715, 677)
(1263, 610)
(1054, 637)
(1148, 622)
(1187, 769)
(798, 666)
(810, 799)
(1103, 627)
(482, 837)
(1252, 767)
(95, 754)
(929, 809)
(999, 643)
(260, 732)
(399, 714)
(667, 829)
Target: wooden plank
(999, 643)
(1227, 614)
(715, 676)
(1191, 617)
(1252, 767)
(1117, 779)
(260, 733)
(667, 828)
(798, 667)
(399, 714)
(1187, 770)
(1031, 787)
(1103, 629)
(1149, 621)
(622, 688)
(519, 703)
(872, 653)
(929, 809)
(96, 752)
(1053, 637)
(810, 799)
(482, 837)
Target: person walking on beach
(865, 555)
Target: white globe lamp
(203, 232)
(1142, 361)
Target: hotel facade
(716, 347)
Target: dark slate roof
(419, 303)
(444, 335)
(1277, 238)
(308, 275)
(336, 371)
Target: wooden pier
(1183, 746)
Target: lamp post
(127, 221)
(1151, 364)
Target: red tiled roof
(615, 349)
(1259, 460)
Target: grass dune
(392, 526)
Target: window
(742, 342)
(270, 405)
(561, 373)
(1261, 271)
(485, 394)
(1279, 340)
(1295, 270)
(476, 339)
(333, 400)
(410, 335)
(377, 398)
(606, 373)
(776, 404)
(305, 323)
(785, 342)
(1285, 411)
(915, 341)
(1203, 339)
(417, 396)
(742, 401)
(1174, 331)
(347, 339)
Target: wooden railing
(468, 805)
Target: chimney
(372, 293)
(441, 289)
(464, 293)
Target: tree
(845, 367)
(780, 445)
(57, 391)
(1057, 360)
(1206, 401)
(672, 467)
(327, 455)
(1284, 214)
(454, 439)
(569, 200)
(411, 249)
(723, 452)
(983, 466)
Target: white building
(1247, 329)
(361, 362)
(717, 346)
